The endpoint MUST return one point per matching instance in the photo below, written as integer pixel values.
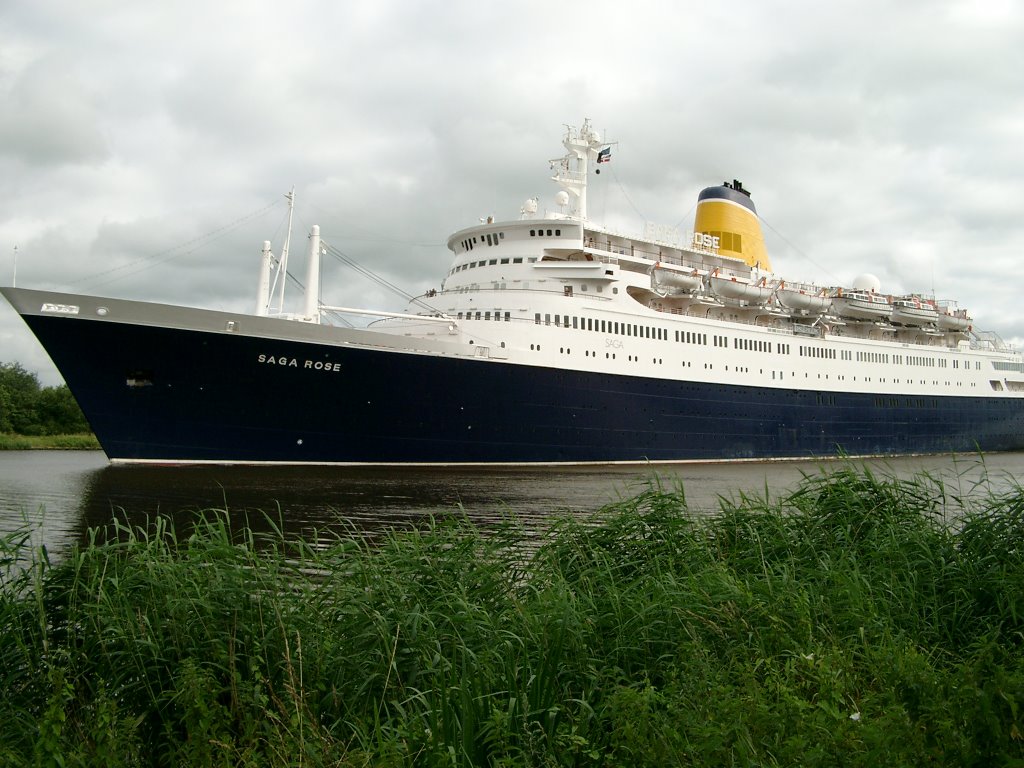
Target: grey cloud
(51, 118)
(869, 147)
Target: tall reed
(860, 619)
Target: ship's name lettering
(615, 343)
(294, 362)
(704, 240)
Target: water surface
(59, 495)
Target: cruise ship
(551, 339)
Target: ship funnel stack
(312, 313)
(263, 291)
(727, 215)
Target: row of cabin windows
(507, 317)
(906, 402)
(1001, 366)
(752, 345)
(872, 357)
(821, 352)
(822, 399)
(490, 262)
(540, 233)
(688, 337)
(491, 238)
(603, 326)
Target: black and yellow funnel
(727, 213)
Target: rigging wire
(369, 238)
(383, 282)
(160, 257)
(686, 217)
(626, 195)
(778, 234)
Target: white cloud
(876, 136)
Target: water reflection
(308, 499)
(62, 495)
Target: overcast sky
(145, 148)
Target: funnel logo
(704, 240)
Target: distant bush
(26, 408)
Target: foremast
(266, 291)
(583, 147)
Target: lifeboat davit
(950, 319)
(861, 305)
(740, 289)
(667, 280)
(803, 298)
(914, 311)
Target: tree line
(27, 408)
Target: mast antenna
(282, 269)
(583, 147)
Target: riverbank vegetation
(28, 410)
(858, 620)
(61, 442)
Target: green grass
(859, 620)
(11, 442)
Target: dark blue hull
(196, 396)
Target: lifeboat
(951, 319)
(803, 298)
(861, 305)
(914, 311)
(740, 289)
(667, 280)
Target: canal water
(58, 496)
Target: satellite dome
(562, 198)
(530, 206)
(867, 282)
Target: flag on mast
(605, 155)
